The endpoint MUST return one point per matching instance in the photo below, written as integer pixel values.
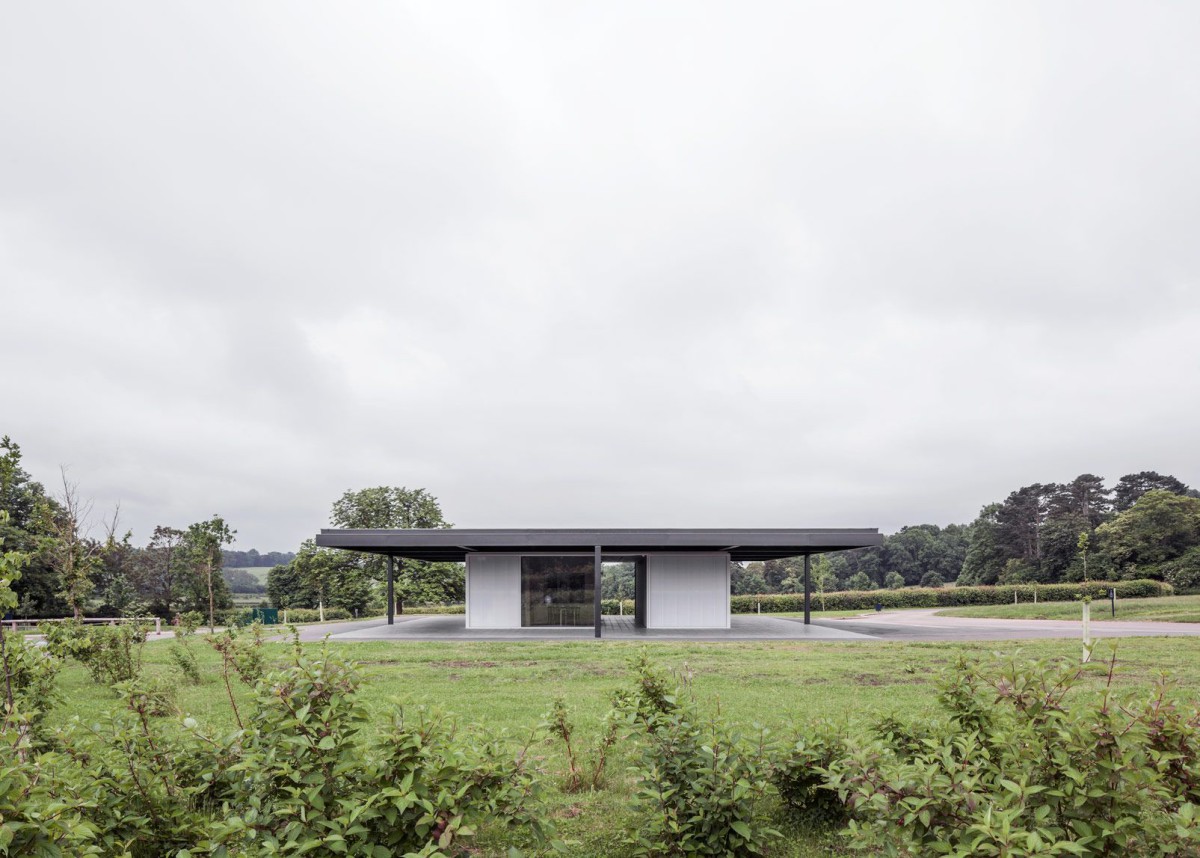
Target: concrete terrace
(908, 625)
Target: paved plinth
(912, 625)
(454, 627)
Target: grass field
(259, 572)
(509, 687)
(1175, 609)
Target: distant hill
(243, 559)
(249, 580)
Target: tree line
(74, 564)
(254, 559)
(322, 577)
(1146, 525)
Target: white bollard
(158, 626)
(1087, 631)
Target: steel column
(807, 587)
(391, 587)
(598, 591)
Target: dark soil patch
(463, 664)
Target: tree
(894, 581)
(932, 579)
(10, 572)
(74, 555)
(1160, 526)
(745, 581)
(400, 507)
(1132, 486)
(985, 556)
(287, 587)
(1084, 497)
(25, 530)
(159, 569)
(203, 542)
(860, 581)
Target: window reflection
(558, 591)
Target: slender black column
(391, 600)
(807, 586)
(598, 591)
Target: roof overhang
(454, 544)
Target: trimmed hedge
(312, 615)
(435, 609)
(947, 597)
(612, 606)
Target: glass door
(558, 591)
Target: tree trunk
(212, 626)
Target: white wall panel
(687, 591)
(493, 591)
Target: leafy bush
(181, 651)
(932, 579)
(949, 597)
(698, 780)
(1027, 766)
(310, 780)
(111, 653)
(799, 776)
(557, 723)
(30, 674)
(303, 776)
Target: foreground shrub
(582, 773)
(800, 777)
(699, 781)
(1029, 764)
(28, 688)
(310, 780)
(111, 653)
(303, 776)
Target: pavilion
(523, 578)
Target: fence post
(1087, 630)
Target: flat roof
(742, 543)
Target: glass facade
(558, 591)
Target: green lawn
(507, 687)
(1175, 609)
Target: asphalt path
(925, 625)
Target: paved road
(912, 625)
(926, 625)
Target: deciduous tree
(203, 542)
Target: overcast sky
(687, 264)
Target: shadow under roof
(455, 544)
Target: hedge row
(614, 606)
(948, 597)
(312, 615)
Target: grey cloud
(795, 264)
